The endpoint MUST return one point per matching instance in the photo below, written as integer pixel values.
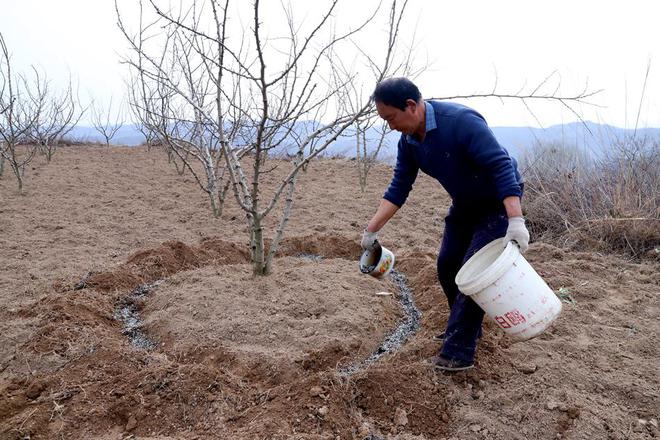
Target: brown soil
(242, 358)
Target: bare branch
(641, 99)
(104, 122)
(536, 94)
(22, 100)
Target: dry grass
(609, 203)
(78, 142)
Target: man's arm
(516, 231)
(405, 173)
(512, 205)
(384, 213)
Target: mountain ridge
(592, 137)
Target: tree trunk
(212, 188)
(217, 211)
(363, 159)
(221, 197)
(19, 177)
(176, 166)
(50, 150)
(257, 245)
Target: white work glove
(517, 232)
(369, 240)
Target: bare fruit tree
(106, 122)
(151, 108)
(181, 128)
(370, 132)
(247, 96)
(370, 139)
(58, 115)
(20, 112)
(370, 136)
(139, 116)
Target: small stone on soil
(34, 390)
(315, 391)
(400, 417)
(132, 424)
(475, 428)
(364, 430)
(573, 412)
(526, 368)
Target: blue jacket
(461, 152)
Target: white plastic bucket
(377, 262)
(509, 290)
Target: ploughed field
(128, 311)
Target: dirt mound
(219, 251)
(405, 400)
(306, 320)
(304, 306)
(170, 257)
(148, 265)
(167, 259)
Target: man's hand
(517, 232)
(368, 240)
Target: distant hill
(591, 137)
(127, 135)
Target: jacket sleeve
(473, 132)
(405, 173)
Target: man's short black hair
(395, 91)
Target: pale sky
(606, 44)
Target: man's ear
(412, 104)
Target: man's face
(405, 121)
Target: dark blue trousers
(466, 231)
